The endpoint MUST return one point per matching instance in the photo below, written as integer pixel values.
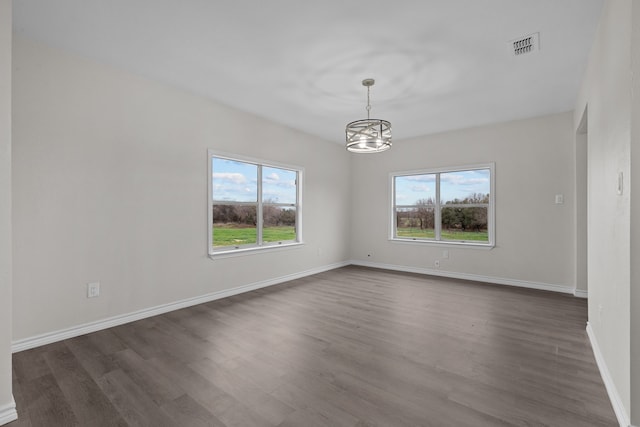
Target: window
(452, 205)
(252, 205)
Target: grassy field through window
(453, 235)
(224, 235)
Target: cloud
(272, 177)
(420, 178)
(274, 180)
(462, 179)
(234, 177)
(420, 188)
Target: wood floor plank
(307, 418)
(90, 406)
(157, 385)
(319, 409)
(225, 407)
(264, 404)
(106, 342)
(133, 335)
(31, 363)
(45, 403)
(23, 415)
(90, 356)
(188, 413)
(135, 406)
(351, 347)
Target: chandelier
(368, 135)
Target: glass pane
(415, 189)
(417, 222)
(234, 225)
(465, 186)
(464, 224)
(234, 181)
(279, 186)
(279, 224)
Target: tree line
(247, 215)
(452, 215)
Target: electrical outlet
(445, 254)
(93, 289)
(437, 263)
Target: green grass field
(232, 236)
(454, 235)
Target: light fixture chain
(368, 101)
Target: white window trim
(491, 209)
(259, 246)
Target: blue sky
(237, 181)
(453, 185)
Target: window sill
(469, 245)
(231, 253)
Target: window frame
(227, 251)
(437, 240)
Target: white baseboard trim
(581, 293)
(8, 412)
(467, 276)
(51, 337)
(74, 331)
(614, 396)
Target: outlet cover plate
(93, 289)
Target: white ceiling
(438, 64)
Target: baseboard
(614, 396)
(51, 337)
(581, 293)
(467, 276)
(8, 412)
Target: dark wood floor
(349, 347)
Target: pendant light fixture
(368, 135)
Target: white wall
(606, 90)
(534, 236)
(7, 407)
(635, 217)
(580, 204)
(110, 185)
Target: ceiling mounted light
(368, 135)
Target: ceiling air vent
(526, 44)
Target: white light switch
(559, 199)
(620, 183)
